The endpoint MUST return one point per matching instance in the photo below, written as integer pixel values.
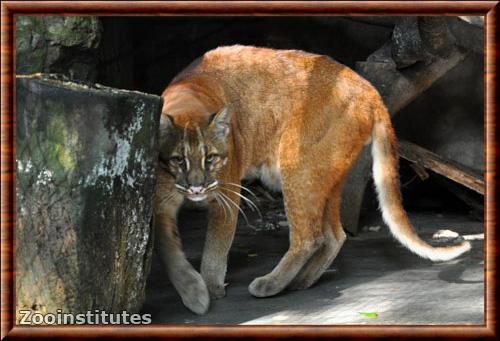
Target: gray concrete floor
(372, 274)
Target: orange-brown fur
(303, 114)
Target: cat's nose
(196, 189)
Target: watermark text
(29, 317)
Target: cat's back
(275, 82)
(255, 67)
(242, 58)
(252, 55)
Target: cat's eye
(177, 159)
(211, 157)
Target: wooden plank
(453, 171)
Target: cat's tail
(385, 174)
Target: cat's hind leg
(334, 237)
(340, 150)
(304, 205)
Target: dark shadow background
(148, 52)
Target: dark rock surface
(373, 273)
(86, 169)
(58, 44)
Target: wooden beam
(440, 165)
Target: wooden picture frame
(488, 9)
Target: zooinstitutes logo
(97, 316)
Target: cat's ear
(166, 125)
(219, 123)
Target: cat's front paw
(264, 287)
(216, 290)
(194, 294)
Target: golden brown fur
(298, 121)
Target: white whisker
(237, 206)
(226, 205)
(213, 184)
(221, 205)
(252, 205)
(242, 187)
(182, 188)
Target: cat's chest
(268, 172)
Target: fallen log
(440, 165)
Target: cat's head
(194, 154)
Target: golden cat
(298, 121)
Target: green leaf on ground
(365, 314)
